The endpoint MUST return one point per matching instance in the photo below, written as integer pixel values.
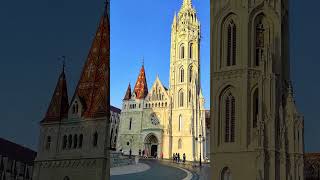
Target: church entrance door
(154, 149)
(151, 145)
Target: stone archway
(151, 144)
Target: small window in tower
(95, 139)
(180, 123)
(70, 141)
(181, 98)
(231, 44)
(130, 124)
(80, 140)
(75, 141)
(182, 51)
(64, 143)
(190, 73)
(48, 143)
(260, 31)
(191, 51)
(181, 75)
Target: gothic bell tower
(185, 81)
(255, 135)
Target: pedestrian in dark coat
(173, 157)
(184, 157)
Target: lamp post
(200, 141)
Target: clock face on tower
(154, 119)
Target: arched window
(181, 52)
(180, 144)
(231, 44)
(260, 31)
(255, 112)
(95, 139)
(80, 140)
(191, 51)
(181, 75)
(189, 96)
(48, 143)
(70, 141)
(226, 174)
(64, 143)
(75, 141)
(181, 96)
(180, 123)
(230, 118)
(130, 123)
(190, 73)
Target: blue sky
(33, 34)
(143, 29)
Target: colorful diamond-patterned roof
(59, 105)
(93, 86)
(141, 87)
(128, 94)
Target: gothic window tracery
(182, 51)
(181, 98)
(181, 75)
(130, 122)
(229, 122)
(48, 143)
(231, 43)
(260, 38)
(70, 141)
(75, 141)
(191, 51)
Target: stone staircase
(117, 159)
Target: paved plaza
(161, 170)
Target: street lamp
(200, 141)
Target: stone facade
(114, 126)
(257, 131)
(169, 120)
(16, 162)
(312, 166)
(74, 139)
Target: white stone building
(170, 120)
(257, 131)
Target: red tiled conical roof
(59, 105)
(128, 94)
(141, 87)
(93, 86)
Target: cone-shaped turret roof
(59, 105)
(93, 85)
(128, 94)
(141, 87)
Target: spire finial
(142, 60)
(63, 59)
(187, 3)
(106, 8)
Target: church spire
(128, 94)
(92, 87)
(187, 3)
(59, 105)
(141, 87)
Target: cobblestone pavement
(159, 171)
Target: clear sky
(33, 34)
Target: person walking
(173, 157)
(178, 157)
(139, 152)
(184, 158)
(143, 153)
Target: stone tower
(74, 140)
(258, 133)
(187, 121)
